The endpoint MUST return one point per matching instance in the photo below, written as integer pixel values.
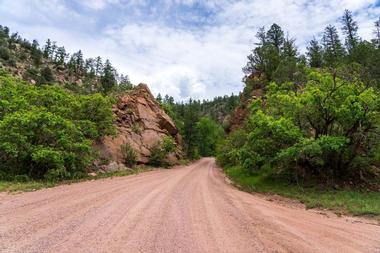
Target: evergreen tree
(61, 56)
(350, 29)
(54, 49)
(124, 83)
(79, 62)
(333, 50)
(377, 32)
(36, 53)
(261, 36)
(4, 32)
(98, 66)
(191, 117)
(159, 98)
(315, 54)
(209, 134)
(108, 80)
(76, 64)
(289, 49)
(35, 45)
(47, 49)
(275, 37)
(265, 58)
(89, 67)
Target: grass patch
(184, 162)
(354, 202)
(13, 186)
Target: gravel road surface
(186, 209)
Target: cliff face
(141, 122)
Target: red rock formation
(141, 122)
(241, 113)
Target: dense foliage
(319, 116)
(328, 128)
(199, 122)
(46, 131)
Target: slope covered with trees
(51, 63)
(317, 119)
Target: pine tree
(89, 67)
(289, 49)
(275, 37)
(79, 62)
(315, 55)
(124, 83)
(377, 32)
(98, 66)
(47, 49)
(261, 36)
(60, 56)
(265, 59)
(108, 80)
(4, 32)
(191, 117)
(36, 53)
(333, 50)
(350, 29)
(159, 98)
(54, 48)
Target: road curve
(187, 209)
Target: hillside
(308, 120)
(51, 63)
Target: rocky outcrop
(241, 113)
(140, 122)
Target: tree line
(200, 123)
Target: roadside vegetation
(314, 133)
(47, 132)
(20, 185)
(341, 201)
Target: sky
(184, 48)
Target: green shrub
(78, 175)
(168, 144)
(55, 175)
(130, 156)
(47, 76)
(21, 178)
(160, 150)
(157, 155)
(4, 53)
(228, 151)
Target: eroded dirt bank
(188, 209)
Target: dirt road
(188, 209)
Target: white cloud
(98, 4)
(147, 41)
